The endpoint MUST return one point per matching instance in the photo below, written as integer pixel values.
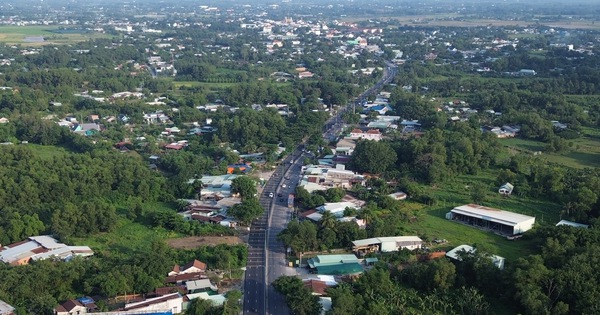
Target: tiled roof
(316, 286)
(195, 263)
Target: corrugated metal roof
(573, 224)
(200, 284)
(379, 240)
(5, 308)
(491, 214)
(11, 254)
(47, 241)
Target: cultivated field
(13, 35)
(453, 20)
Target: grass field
(457, 20)
(432, 223)
(585, 151)
(129, 236)
(47, 151)
(17, 35)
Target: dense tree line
(71, 194)
(434, 157)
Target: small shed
(506, 189)
(573, 224)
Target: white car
(284, 185)
(270, 195)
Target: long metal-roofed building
(335, 264)
(495, 220)
(39, 248)
(386, 244)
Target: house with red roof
(82, 305)
(194, 266)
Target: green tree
(300, 237)
(298, 297)
(478, 192)
(373, 157)
(245, 186)
(246, 211)
(232, 304)
(328, 221)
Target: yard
(432, 224)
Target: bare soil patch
(197, 241)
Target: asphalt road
(266, 255)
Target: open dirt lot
(197, 241)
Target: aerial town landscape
(299, 157)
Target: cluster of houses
(184, 284)
(39, 248)
(341, 209)
(160, 66)
(323, 177)
(210, 213)
(85, 129)
(328, 270)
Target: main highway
(266, 255)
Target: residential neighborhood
(313, 157)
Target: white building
(457, 252)
(6, 309)
(499, 221)
(337, 208)
(506, 189)
(573, 224)
(39, 248)
(387, 244)
(373, 134)
(172, 302)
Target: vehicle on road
(270, 195)
(284, 185)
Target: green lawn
(585, 151)
(47, 151)
(129, 236)
(432, 223)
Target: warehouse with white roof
(387, 244)
(496, 220)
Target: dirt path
(197, 241)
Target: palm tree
(368, 214)
(328, 220)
